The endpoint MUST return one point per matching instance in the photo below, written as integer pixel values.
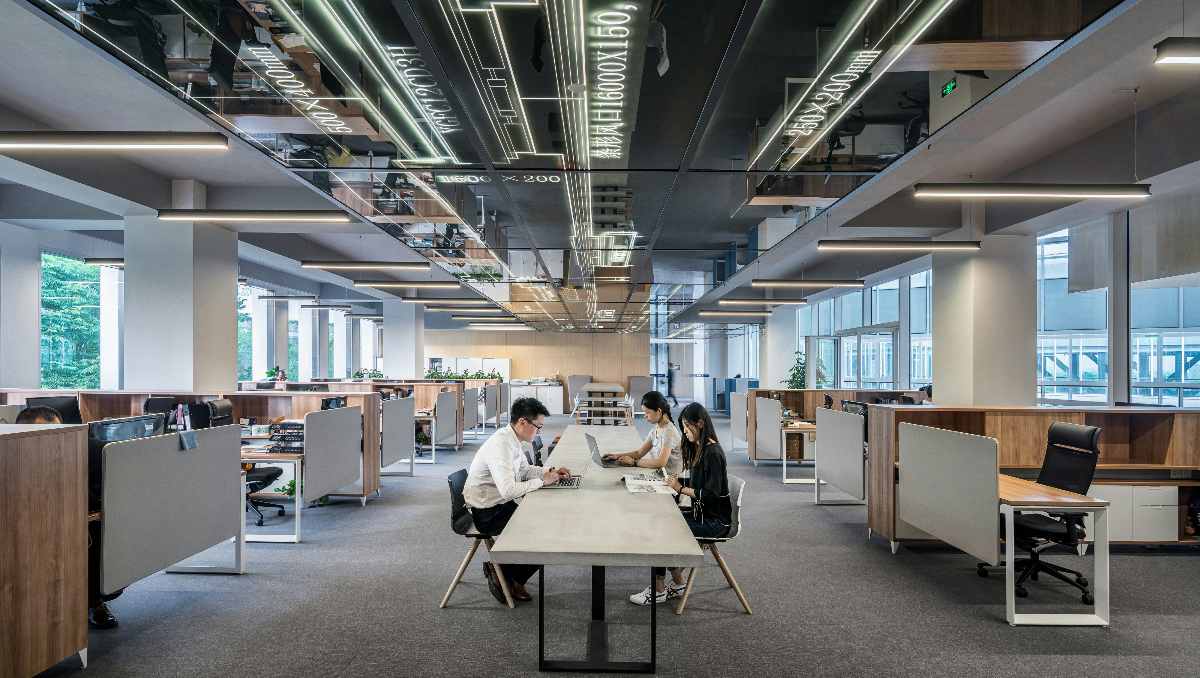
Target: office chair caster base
(1021, 592)
(1088, 599)
(259, 522)
(1082, 581)
(280, 513)
(981, 570)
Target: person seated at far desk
(499, 476)
(662, 446)
(711, 512)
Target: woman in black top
(710, 514)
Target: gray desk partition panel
(839, 458)
(575, 383)
(505, 403)
(332, 450)
(638, 387)
(470, 408)
(768, 429)
(399, 430)
(446, 413)
(491, 403)
(162, 504)
(737, 417)
(949, 487)
(8, 413)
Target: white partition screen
(399, 430)
(470, 408)
(768, 429)
(949, 487)
(332, 450)
(162, 504)
(446, 413)
(737, 417)
(839, 460)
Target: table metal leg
(297, 511)
(1100, 611)
(597, 655)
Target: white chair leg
(461, 569)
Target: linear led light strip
(265, 79)
(410, 284)
(1032, 191)
(811, 283)
(382, 53)
(114, 141)
(310, 37)
(367, 265)
(841, 112)
(179, 91)
(898, 245)
(256, 216)
(761, 302)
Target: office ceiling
(550, 153)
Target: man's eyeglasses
(534, 424)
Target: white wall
(403, 340)
(20, 307)
(779, 347)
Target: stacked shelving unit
(601, 404)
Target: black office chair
(828, 402)
(259, 478)
(1070, 464)
(462, 523)
(928, 391)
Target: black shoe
(100, 617)
(494, 584)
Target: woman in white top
(663, 444)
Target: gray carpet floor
(360, 596)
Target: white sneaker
(675, 590)
(643, 597)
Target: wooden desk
(799, 430)
(599, 524)
(257, 456)
(1018, 495)
(43, 546)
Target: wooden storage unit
(43, 546)
(803, 404)
(1140, 448)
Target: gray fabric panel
(446, 413)
(332, 450)
(638, 387)
(491, 402)
(768, 428)
(575, 382)
(8, 413)
(470, 408)
(399, 430)
(737, 417)
(505, 400)
(839, 456)
(162, 504)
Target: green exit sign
(949, 87)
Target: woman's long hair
(697, 416)
(653, 400)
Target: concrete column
(779, 339)
(984, 324)
(279, 337)
(367, 350)
(341, 345)
(180, 300)
(262, 314)
(314, 345)
(112, 362)
(403, 340)
(353, 343)
(20, 307)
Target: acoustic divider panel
(470, 409)
(446, 414)
(399, 430)
(769, 426)
(839, 459)
(491, 404)
(505, 401)
(162, 503)
(737, 418)
(638, 387)
(949, 487)
(575, 384)
(8, 413)
(332, 451)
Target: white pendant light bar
(466, 309)
(113, 141)
(1025, 191)
(503, 327)
(366, 265)
(735, 314)
(363, 316)
(810, 283)
(761, 302)
(288, 297)
(1177, 51)
(325, 307)
(898, 245)
(485, 318)
(115, 262)
(409, 284)
(257, 216)
(448, 301)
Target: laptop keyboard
(571, 481)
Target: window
(1072, 308)
(877, 360)
(848, 367)
(825, 318)
(885, 302)
(849, 310)
(245, 332)
(920, 338)
(70, 318)
(293, 339)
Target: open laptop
(596, 456)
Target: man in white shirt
(499, 476)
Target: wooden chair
(462, 523)
(737, 488)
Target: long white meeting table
(599, 525)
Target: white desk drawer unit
(1139, 512)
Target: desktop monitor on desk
(307, 387)
(333, 403)
(66, 406)
(105, 431)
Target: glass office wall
(1164, 306)
(885, 302)
(245, 332)
(293, 339)
(70, 323)
(1072, 310)
(920, 329)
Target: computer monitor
(333, 403)
(307, 387)
(264, 386)
(66, 406)
(105, 431)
